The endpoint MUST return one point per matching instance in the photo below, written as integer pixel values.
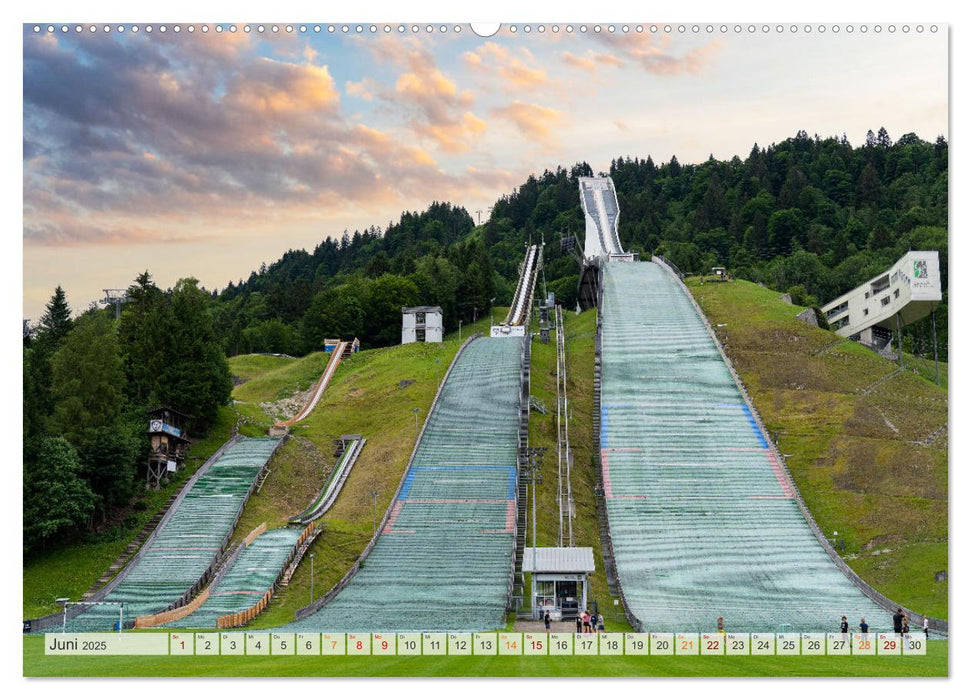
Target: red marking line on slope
(771, 498)
(605, 470)
(395, 512)
(240, 593)
(629, 495)
(511, 517)
(780, 476)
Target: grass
(365, 396)
(69, 570)
(247, 367)
(934, 664)
(855, 457)
(580, 333)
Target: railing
(339, 586)
(522, 445)
(564, 488)
(244, 617)
(935, 624)
(54, 619)
(334, 484)
(606, 541)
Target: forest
(811, 217)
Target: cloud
(655, 55)
(183, 137)
(590, 60)
(533, 121)
(517, 70)
(437, 110)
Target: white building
(421, 324)
(910, 289)
(559, 580)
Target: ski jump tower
(602, 242)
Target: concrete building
(421, 324)
(907, 292)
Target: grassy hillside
(371, 393)
(871, 467)
(580, 333)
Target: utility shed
(559, 579)
(421, 324)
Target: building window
(866, 312)
(896, 293)
(884, 301)
(420, 318)
(867, 295)
(420, 335)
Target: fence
(241, 618)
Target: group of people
(901, 624)
(587, 622)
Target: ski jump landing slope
(443, 560)
(703, 519)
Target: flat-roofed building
(907, 292)
(421, 324)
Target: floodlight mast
(115, 297)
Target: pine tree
(55, 324)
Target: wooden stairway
(132, 547)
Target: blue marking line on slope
(412, 473)
(755, 428)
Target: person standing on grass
(721, 625)
(600, 623)
(906, 625)
(844, 625)
(926, 625)
(586, 620)
(579, 623)
(864, 627)
(898, 621)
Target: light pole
(534, 475)
(460, 331)
(492, 311)
(64, 602)
(311, 577)
(374, 516)
(415, 411)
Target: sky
(205, 154)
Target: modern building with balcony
(907, 292)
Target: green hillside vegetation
(365, 396)
(580, 333)
(67, 571)
(871, 467)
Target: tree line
(813, 217)
(88, 383)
